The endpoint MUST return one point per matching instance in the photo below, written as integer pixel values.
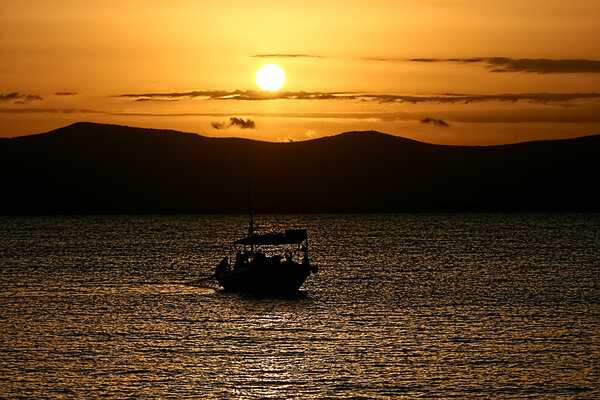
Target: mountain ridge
(79, 126)
(99, 168)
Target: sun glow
(270, 77)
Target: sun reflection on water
(463, 306)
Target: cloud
(255, 95)
(531, 65)
(432, 60)
(157, 99)
(235, 121)
(242, 123)
(582, 113)
(65, 93)
(542, 98)
(494, 64)
(434, 121)
(543, 66)
(219, 125)
(211, 94)
(232, 95)
(302, 95)
(19, 98)
(285, 55)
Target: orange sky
(492, 72)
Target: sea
(404, 306)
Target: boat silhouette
(266, 263)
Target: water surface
(404, 306)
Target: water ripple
(404, 306)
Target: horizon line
(292, 141)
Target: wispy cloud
(434, 121)
(544, 66)
(494, 64)
(234, 95)
(255, 95)
(531, 65)
(546, 113)
(19, 98)
(65, 93)
(235, 121)
(432, 60)
(473, 98)
(210, 94)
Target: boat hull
(259, 278)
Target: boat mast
(251, 222)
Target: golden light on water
(270, 77)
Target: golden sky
(441, 71)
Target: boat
(271, 263)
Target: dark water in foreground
(405, 306)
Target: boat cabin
(288, 246)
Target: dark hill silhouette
(94, 168)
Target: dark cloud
(242, 123)
(434, 121)
(285, 55)
(467, 60)
(235, 121)
(19, 98)
(531, 65)
(220, 125)
(494, 64)
(542, 98)
(65, 93)
(176, 95)
(434, 60)
(302, 95)
(542, 65)
(157, 99)
(255, 95)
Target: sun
(270, 77)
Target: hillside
(93, 168)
